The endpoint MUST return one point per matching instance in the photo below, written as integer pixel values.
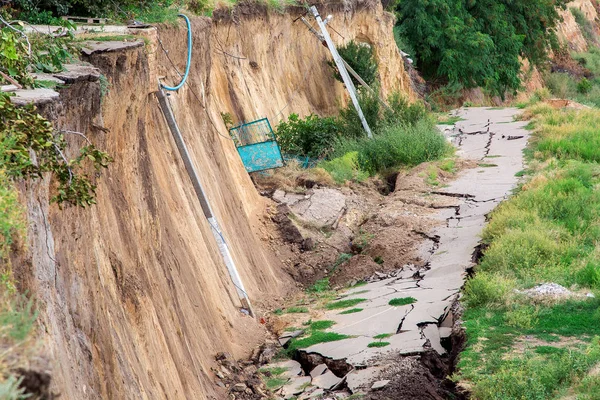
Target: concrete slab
(432, 333)
(295, 386)
(37, 96)
(362, 378)
(371, 322)
(91, 47)
(445, 332)
(326, 381)
(380, 384)
(293, 368)
(318, 370)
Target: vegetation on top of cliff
(404, 134)
(22, 53)
(523, 345)
(478, 43)
(149, 11)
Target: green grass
(547, 232)
(448, 166)
(321, 325)
(275, 383)
(397, 145)
(336, 305)
(486, 165)
(383, 336)
(320, 286)
(449, 120)
(351, 311)
(402, 301)
(296, 310)
(432, 176)
(109, 38)
(315, 337)
(273, 371)
(46, 84)
(378, 344)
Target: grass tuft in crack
(402, 301)
(343, 304)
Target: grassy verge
(521, 347)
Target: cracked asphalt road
(496, 142)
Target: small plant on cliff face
(33, 147)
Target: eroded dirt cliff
(133, 296)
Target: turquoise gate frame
(257, 145)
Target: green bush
(350, 124)
(378, 116)
(478, 43)
(488, 290)
(360, 57)
(49, 11)
(589, 59)
(345, 168)
(397, 145)
(584, 86)
(312, 136)
(561, 85)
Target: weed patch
(343, 304)
(351, 311)
(402, 301)
(378, 344)
(383, 336)
(316, 337)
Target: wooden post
(342, 69)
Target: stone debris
(317, 393)
(327, 381)
(380, 384)
(286, 337)
(318, 370)
(240, 378)
(320, 208)
(550, 290)
(445, 332)
(295, 386)
(239, 387)
(432, 333)
(293, 368)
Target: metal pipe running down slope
(206, 209)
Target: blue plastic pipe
(189, 56)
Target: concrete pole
(342, 69)
(206, 209)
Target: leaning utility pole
(339, 62)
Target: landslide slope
(133, 297)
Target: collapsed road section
(401, 339)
